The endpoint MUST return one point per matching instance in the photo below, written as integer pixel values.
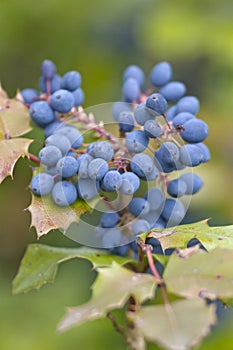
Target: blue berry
(173, 91)
(188, 104)
(97, 168)
(50, 155)
(67, 166)
(205, 152)
(173, 212)
(42, 184)
(136, 141)
(152, 129)
(71, 80)
(41, 113)
(119, 107)
(193, 182)
(52, 127)
(29, 95)
(141, 164)
(143, 113)
(126, 121)
(134, 72)
(55, 84)
(155, 197)
(171, 113)
(157, 102)
(182, 118)
(131, 90)
(126, 187)
(140, 226)
(62, 101)
(132, 179)
(112, 180)
(139, 206)
(101, 149)
(48, 69)
(167, 156)
(109, 219)
(60, 142)
(177, 188)
(64, 193)
(196, 131)
(78, 97)
(111, 238)
(87, 188)
(161, 74)
(191, 155)
(73, 134)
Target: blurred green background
(100, 39)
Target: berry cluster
(159, 133)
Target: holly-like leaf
(178, 237)
(112, 288)
(209, 275)
(40, 263)
(47, 216)
(14, 122)
(10, 151)
(177, 326)
(14, 116)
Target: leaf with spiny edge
(178, 237)
(169, 325)
(111, 290)
(14, 116)
(40, 263)
(14, 122)
(47, 216)
(10, 151)
(205, 274)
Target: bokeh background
(100, 39)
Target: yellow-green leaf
(47, 216)
(10, 151)
(112, 288)
(177, 326)
(178, 237)
(203, 274)
(14, 116)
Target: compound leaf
(178, 237)
(209, 275)
(112, 288)
(170, 325)
(10, 151)
(40, 263)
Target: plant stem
(33, 158)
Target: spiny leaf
(40, 263)
(170, 325)
(10, 151)
(47, 216)
(178, 237)
(209, 275)
(14, 116)
(112, 288)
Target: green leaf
(178, 237)
(112, 288)
(209, 275)
(176, 326)
(40, 263)
(14, 116)
(10, 151)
